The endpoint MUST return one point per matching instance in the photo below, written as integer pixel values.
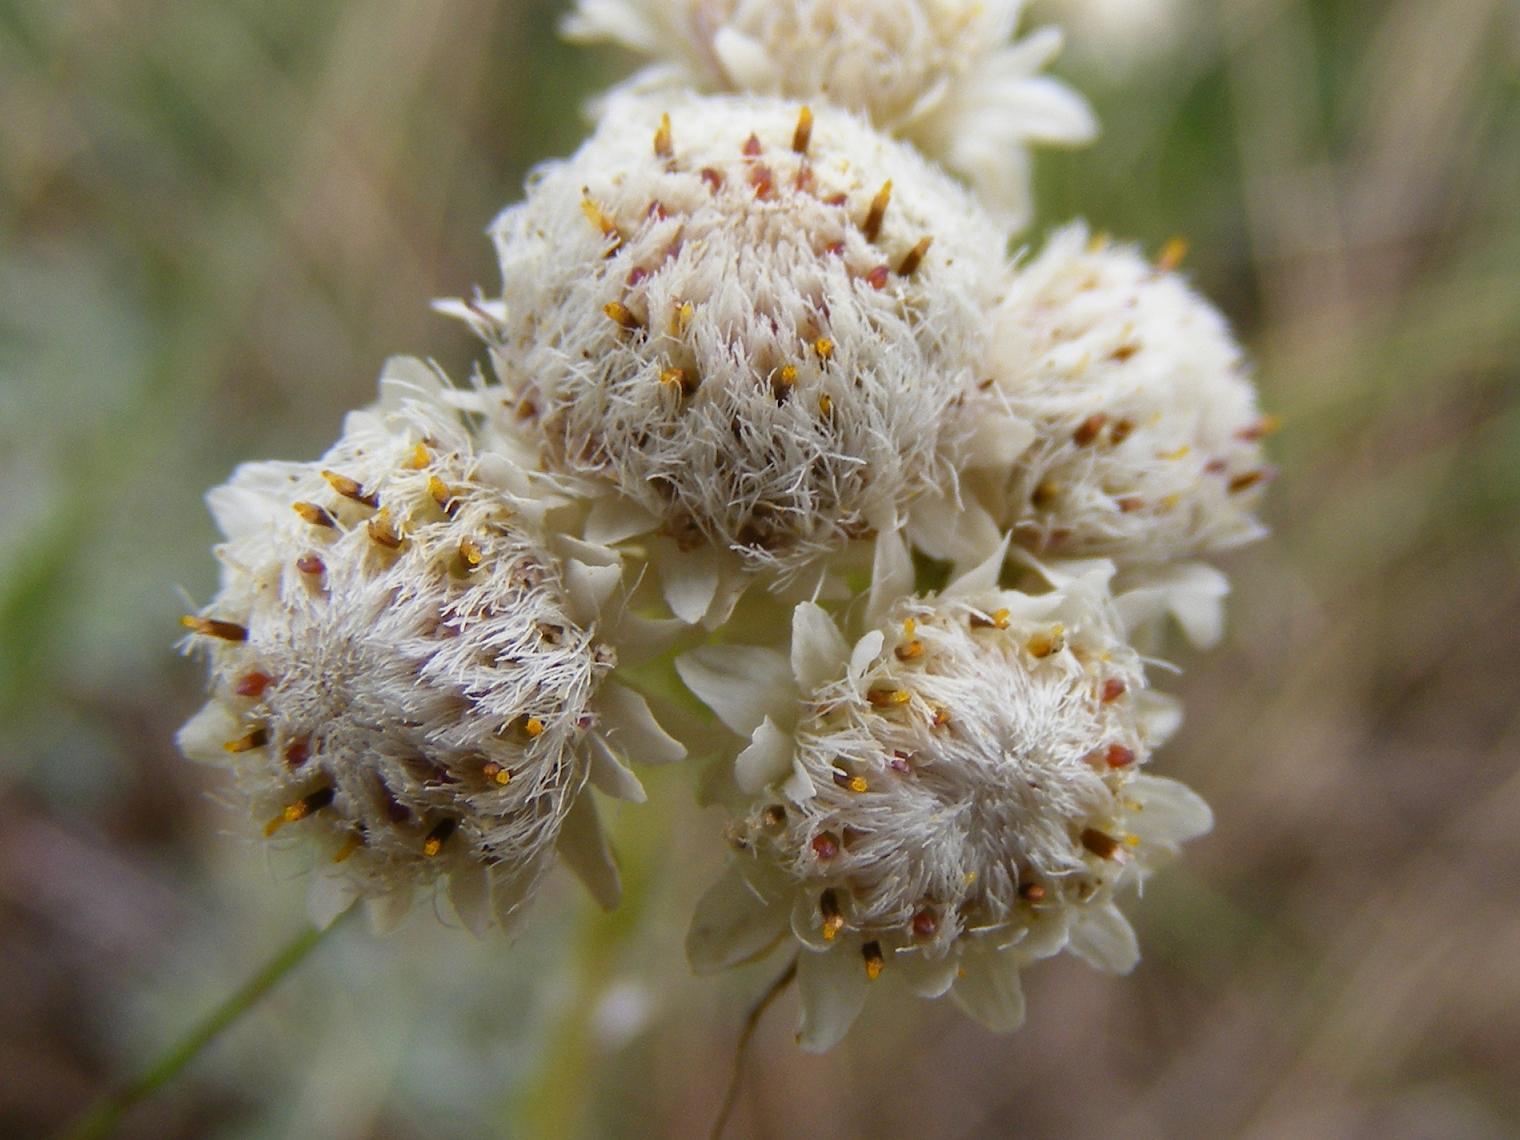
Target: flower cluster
(760, 367)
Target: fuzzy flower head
(403, 671)
(954, 796)
(1147, 432)
(945, 74)
(749, 329)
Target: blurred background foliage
(217, 220)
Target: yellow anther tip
(350, 845)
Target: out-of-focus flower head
(946, 74)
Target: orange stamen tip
(533, 726)
(1042, 645)
(350, 845)
(622, 315)
(256, 738)
(211, 627)
(824, 347)
(1088, 431)
(664, 144)
(350, 489)
(889, 698)
(469, 553)
(803, 135)
(875, 963)
(872, 226)
(910, 651)
(434, 842)
(852, 783)
(681, 318)
(252, 684)
(419, 458)
(1100, 843)
(1118, 756)
(1172, 254)
(996, 620)
(600, 219)
(1247, 481)
(315, 515)
(382, 533)
(915, 257)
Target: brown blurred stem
(103, 1117)
(751, 1023)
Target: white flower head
(1147, 432)
(945, 74)
(403, 671)
(748, 329)
(951, 798)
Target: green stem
(102, 1118)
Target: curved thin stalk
(103, 1117)
(751, 1023)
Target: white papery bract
(946, 74)
(1147, 433)
(948, 800)
(747, 329)
(405, 672)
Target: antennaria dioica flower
(747, 328)
(952, 797)
(946, 75)
(408, 670)
(752, 333)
